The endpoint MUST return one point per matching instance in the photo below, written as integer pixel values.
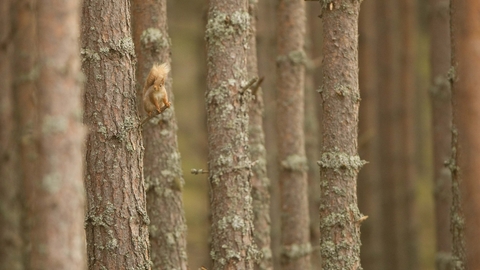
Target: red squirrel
(154, 92)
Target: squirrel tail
(161, 70)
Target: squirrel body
(154, 92)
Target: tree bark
(116, 221)
(369, 177)
(295, 222)
(163, 174)
(258, 155)
(440, 94)
(227, 122)
(339, 164)
(407, 205)
(55, 203)
(11, 251)
(465, 36)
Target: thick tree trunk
(407, 204)
(227, 121)
(163, 174)
(24, 92)
(339, 164)
(440, 94)
(258, 155)
(116, 222)
(465, 37)
(369, 178)
(56, 204)
(295, 222)
(10, 186)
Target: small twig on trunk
(153, 115)
(248, 85)
(198, 171)
(257, 85)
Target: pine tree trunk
(10, 186)
(369, 177)
(440, 94)
(465, 37)
(389, 130)
(163, 174)
(227, 122)
(295, 222)
(258, 155)
(116, 222)
(56, 204)
(339, 164)
(407, 106)
(24, 92)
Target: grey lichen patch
(295, 163)
(441, 87)
(89, 54)
(152, 38)
(223, 26)
(341, 90)
(54, 124)
(295, 57)
(124, 46)
(112, 242)
(52, 182)
(295, 251)
(341, 162)
(452, 74)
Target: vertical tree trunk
(116, 222)
(24, 92)
(295, 222)
(440, 94)
(465, 34)
(258, 155)
(407, 162)
(227, 122)
(163, 174)
(369, 178)
(10, 186)
(55, 202)
(389, 131)
(339, 164)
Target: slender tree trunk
(163, 174)
(465, 37)
(339, 164)
(227, 121)
(56, 204)
(369, 178)
(10, 186)
(407, 105)
(295, 222)
(258, 155)
(116, 222)
(440, 94)
(389, 138)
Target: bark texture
(407, 205)
(369, 177)
(55, 197)
(440, 95)
(465, 37)
(116, 221)
(339, 164)
(258, 155)
(227, 125)
(162, 171)
(10, 185)
(295, 222)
